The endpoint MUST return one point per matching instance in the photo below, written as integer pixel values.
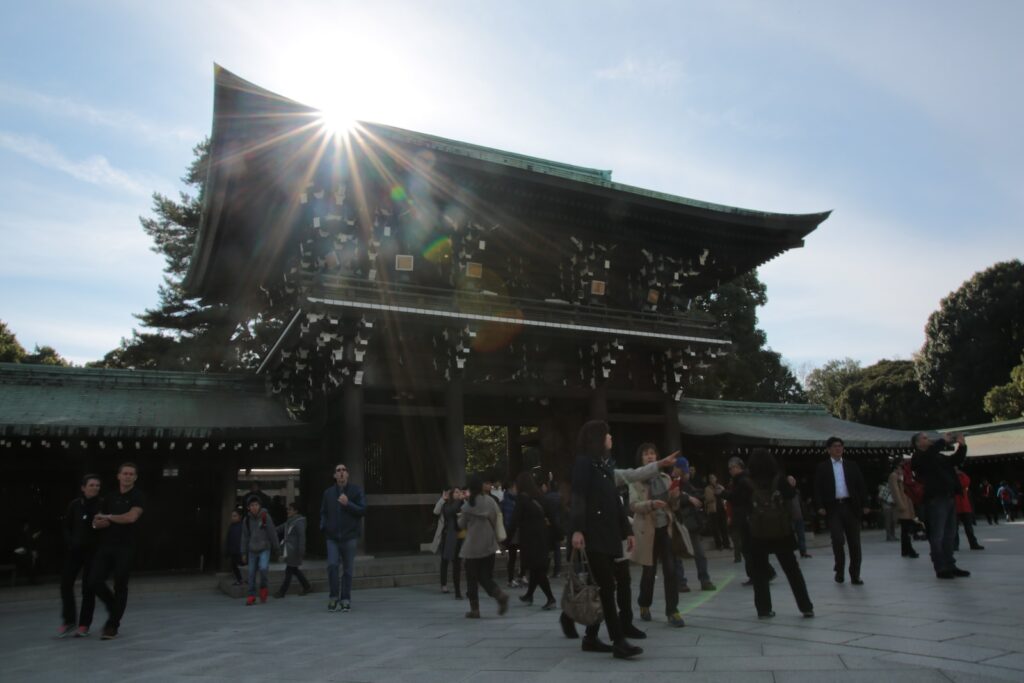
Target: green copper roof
(554, 168)
(993, 439)
(38, 400)
(781, 424)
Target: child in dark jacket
(233, 545)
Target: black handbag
(581, 600)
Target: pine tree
(751, 371)
(186, 334)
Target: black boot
(568, 626)
(631, 631)
(595, 644)
(502, 600)
(623, 649)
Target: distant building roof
(781, 425)
(993, 440)
(48, 401)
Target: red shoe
(264, 594)
(251, 600)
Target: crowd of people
(653, 515)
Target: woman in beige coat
(652, 503)
(480, 517)
(904, 508)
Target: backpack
(911, 486)
(770, 515)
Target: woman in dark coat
(599, 525)
(764, 475)
(80, 540)
(532, 523)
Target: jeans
(940, 516)
(78, 559)
(343, 552)
(661, 553)
(699, 558)
(259, 561)
(117, 560)
(556, 548)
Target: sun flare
(337, 123)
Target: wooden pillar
(673, 437)
(352, 451)
(454, 432)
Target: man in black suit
(840, 491)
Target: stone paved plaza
(902, 625)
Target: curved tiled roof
(39, 400)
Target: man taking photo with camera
(937, 472)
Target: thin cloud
(95, 170)
(648, 73)
(86, 113)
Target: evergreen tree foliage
(187, 334)
(45, 355)
(751, 372)
(11, 350)
(1006, 401)
(886, 394)
(486, 447)
(973, 341)
(826, 384)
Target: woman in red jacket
(964, 512)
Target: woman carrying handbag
(599, 526)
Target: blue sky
(904, 118)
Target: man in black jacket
(840, 492)
(937, 472)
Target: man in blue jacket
(341, 514)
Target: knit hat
(683, 464)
